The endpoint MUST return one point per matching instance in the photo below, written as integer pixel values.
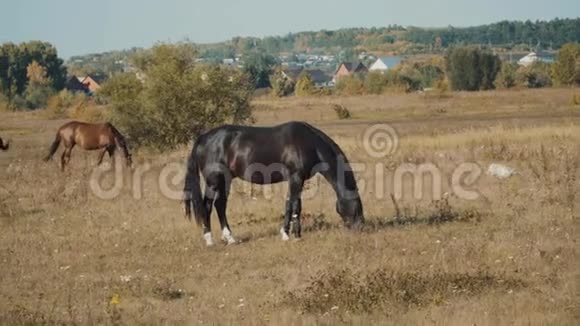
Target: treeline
(30, 73)
(542, 34)
(106, 63)
(507, 34)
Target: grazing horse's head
(351, 211)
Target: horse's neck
(341, 178)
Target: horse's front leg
(293, 208)
(206, 223)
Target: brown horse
(89, 136)
(4, 146)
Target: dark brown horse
(4, 146)
(89, 136)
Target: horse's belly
(262, 177)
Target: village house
(349, 68)
(93, 82)
(320, 78)
(74, 84)
(87, 84)
(385, 63)
(533, 57)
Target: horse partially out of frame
(4, 145)
(293, 152)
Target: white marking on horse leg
(285, 236)
(227, 236)
(208, 239)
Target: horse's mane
(337, 153)
(331, 143)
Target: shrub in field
(410, 78)
(341, 111)
(376, 82)
(304, 85)
(506, 78)
(177, 97)
(565, 71)
(350, 85)
(281, 86)
(88, 112)
(536, 75)
(58, 104)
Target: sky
(78, 27)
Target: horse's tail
(192, 189)
(120, 142)
(53, 147)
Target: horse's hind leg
(111, 150)
(101, 156)
(65, 158)
(208, 200)
(220, 207)
(293, 208)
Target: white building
(385, 63)
(534, 57)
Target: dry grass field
(510, 256)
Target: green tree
(38, 90)
(304, 85)
(472, 69)
(177, 97)
(565, 70)
(258, 66)
(14, 61)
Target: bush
(177, 99)
(506, 78)
(55, 108)
(430, 73)
(566, 70)
(88, 112)
(341, 111)
(58, 104)
(536, 75)
(305, 85)
(376, 82)
(442, 87)
(410, 78)
(350, 85)
(281, 86)
(36, 96)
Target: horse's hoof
(285, 236)
(208, 240)
(227, 237)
